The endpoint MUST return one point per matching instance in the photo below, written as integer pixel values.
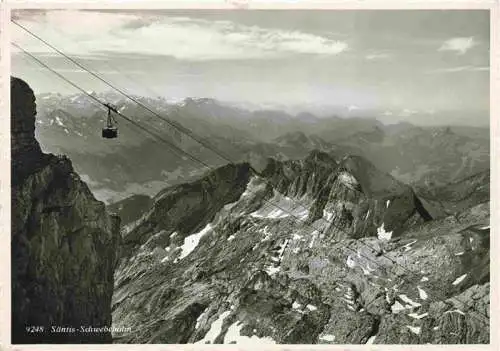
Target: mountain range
(116, 169)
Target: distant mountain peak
(320, 156)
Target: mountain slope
(345, 254)
(457, 196)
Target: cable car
(111, 130)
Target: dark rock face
(64, 244)
(301, 271)
(23, 106)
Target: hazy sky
(399, 62)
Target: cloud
(408, 112)
(377, 56)
(183, 38)
(101, 71)
(460, 69)
(459, 45)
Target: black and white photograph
(249, 176)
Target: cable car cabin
(110, 132)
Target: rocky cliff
(310, 251)
(64, 244)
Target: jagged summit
(25, 149)
(316, 156)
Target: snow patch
(296, 305)
(387, 203)
(314, 235)
(282, 249)
(281, 206)
(327, 337)
(424, 279)
(200, 317)
(371, 339)
(328, 215)
(367, 214)
(253, 186)
(414, 330)
(302, 214)
(418, 316)
(350, 262)
(192, 241)
(348, 180)
(348, 301)
(368, 270)
(423, 295)
(215, 329)
(311, 307)
(397, 307)
(266, 233)
(233, 336)
(59, 121)
(276, 213)
(231, 238)
(272, 270)
(459, 279)
(459, 253)
(409, 301)
(382, 234)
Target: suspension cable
(190, 134)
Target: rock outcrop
(354, 198)
(64, 243)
